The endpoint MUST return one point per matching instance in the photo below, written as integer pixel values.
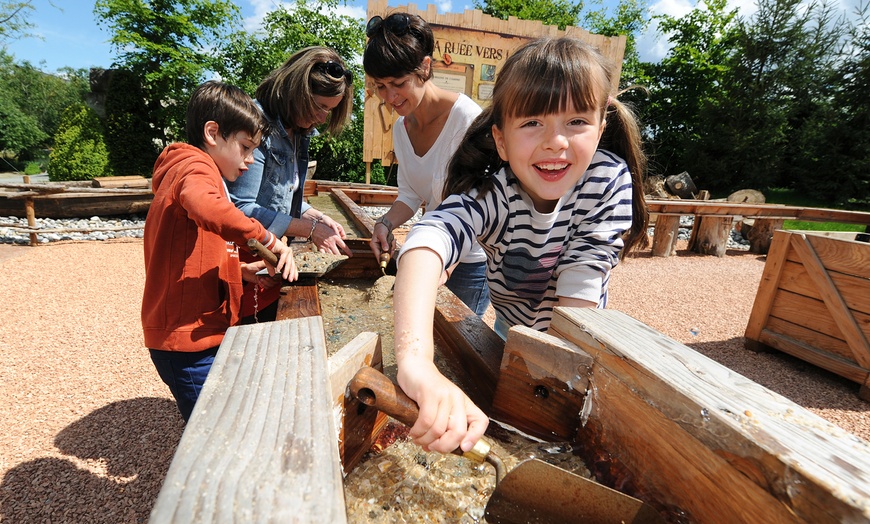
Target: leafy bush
(32, 168)
(79, 150)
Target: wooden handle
(373, 388)
(265, 254)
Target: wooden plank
(357, 426)
(703, 208)
(792, 339)
(854, 290)
(541, 385)
(125, 182)
(846, 322)
(298, 300)
(843, 256)
(260, 445)
(472, 348)
(768, 285)
(813, 338)
(362, 221)
(738, 451)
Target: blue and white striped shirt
(533, 258)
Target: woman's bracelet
(387, 224)
(313, 227)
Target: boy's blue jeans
(468, 283)
(184, 373)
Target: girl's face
(402, 93)
(324, 106)
(549, 153)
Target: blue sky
(71, 37)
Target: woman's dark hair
(396, 53)
(288, 92)
(229, 106)
(543, 77)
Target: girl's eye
(577, 122)
(530, 123)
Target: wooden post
(665, 236)
(30, 212)
(761, 234)
(358, 425)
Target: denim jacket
(265, 192)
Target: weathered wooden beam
(360, 219)
(707, 440)
(705, 208)
(299, 299)
(542, 385)
(358, 425)
(260, 445)
(472, 349)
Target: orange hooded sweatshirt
(193, 277)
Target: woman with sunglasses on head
(311, 88)
(432, 122)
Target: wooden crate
(813, 302)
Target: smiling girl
(548, 180)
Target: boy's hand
(251, 273)
(286, 262)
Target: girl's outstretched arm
(448, 418)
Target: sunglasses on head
(335, 70)
(396, 23)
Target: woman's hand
(328, 235)
(382, 241)
(448, 418)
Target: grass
(790, 197)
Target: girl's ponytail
(622, 136)
(475, 160)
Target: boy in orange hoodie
(193, 275)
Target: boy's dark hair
(229, 106)
(399, 52)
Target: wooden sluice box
(813, 302)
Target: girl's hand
(448, 418)
(286, 262)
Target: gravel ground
(88, 428)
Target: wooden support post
(30, 213)
(541, 385)
(358, 425)
(761, 234)
(712, 235)
(260, 445)
(738, 451)
(665, 236)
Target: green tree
(18, 131)
(14, 22)
(561, 13)
(247, 58)
(79, 152)
(687, 84)
(169, 45)
(38, 97)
